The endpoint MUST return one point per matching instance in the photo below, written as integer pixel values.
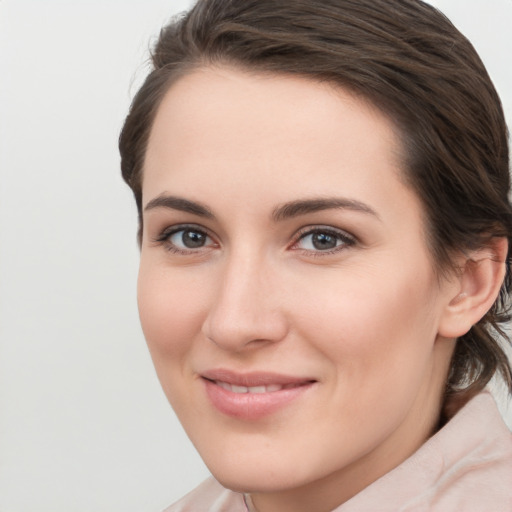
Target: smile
(272, 388)
(253, 396)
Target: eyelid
(347, 238)
(165, 234)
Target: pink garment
(465, 467)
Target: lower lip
(252, 406)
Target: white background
(84, 426)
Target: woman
(324, 226)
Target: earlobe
(477, 287)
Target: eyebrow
(302, 207)
(283, 212)
(180, 204)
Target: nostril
(235, 323)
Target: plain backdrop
(84, 426)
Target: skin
(366, 319)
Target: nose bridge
(245, 307)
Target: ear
(476, 287)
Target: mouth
(252, 396)
(271, 388)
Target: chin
(260, 473)
(257, 481)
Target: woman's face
(286, 290)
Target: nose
(246, 307)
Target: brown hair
(410, 61)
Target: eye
(188, 239)
(185, 239)
(325, 240)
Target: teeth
(239, 389)
(252, 389)
(223, 385)
(257, 389)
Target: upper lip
(254, 378)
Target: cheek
(378, 340)
(171, 312)
(364, 324)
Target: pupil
(193, 239)
(323, 241)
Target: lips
(252, 396)
(272, 388)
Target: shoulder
(211, 496)
(475, 452)
(466, 466)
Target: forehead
(258, 122)
(254, 99)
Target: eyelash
(165, 238)
(346, 240)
